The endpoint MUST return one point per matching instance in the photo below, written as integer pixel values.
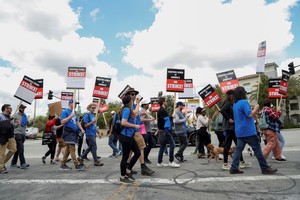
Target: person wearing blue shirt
(138, 136)
(127, 141)
(246, 132)
(71, 129)
(90, 123)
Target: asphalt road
(195, 179)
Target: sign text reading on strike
(76, 74)
(100, 92)
(29, 86)
(212, 100)
(175, 86)
(229, 87)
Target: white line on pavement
(150, 181)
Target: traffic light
(291, 68)
(50, 95)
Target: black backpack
(116, 124)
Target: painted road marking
(151, 180)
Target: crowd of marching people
(234, 121)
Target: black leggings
(128, 144)
(203, 139)
(52, 148)
(230, 135)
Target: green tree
(116, 106)
(40, 123)
(293, 91)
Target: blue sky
(135, 41)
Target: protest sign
(175, 80)
(284, 82)
(273, 90)
(188, 90)
(27, 90)
(101, 89)
(39, 93)
(209, 96)
(76, 78)
(227, 81)
(65, 98)
(154, 104)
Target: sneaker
(146, 171)
(98, 157)
(235, 171)
(118, 154)
(98, 163)
(173, 164)
(126, 180)
(65, 167)
(226, 166)
(3, 170)
(111, 156)
(282, 156)
(177, 157)
(147, 161)
(280, 160)
(24, 166)
(133, 171)
(80, 160)
(268, 170)
(201, 155)
(14, 165)
(80, 167)
(244, 165)
(52, 162)
(44, 159)
(273, 158)
(130, 176)
(162, 165)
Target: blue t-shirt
(90, 130)
(128, 131)
(244, 126)
(72, 122)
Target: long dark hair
(240, 93)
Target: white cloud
(94, 13)
(39, 39)
(211, 34)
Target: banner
(227, 81)
(154, 104)
(122, 94)
(103, 107)
(284, 82)
(273, 91)
(65, 98)
(209, 96)
(261, 56)
(175, 80)
(27, 90)
(101, 89)
(76, 78)
(39, 93)
(188, 90)
(55, 108)
(192, 104)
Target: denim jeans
(165, 136)
(92, 147)
(149, 144)
(253, 142)
(183, 143)
(113, 144)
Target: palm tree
(293, 91)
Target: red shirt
(49, 125)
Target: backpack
(262, 122)
(116, 124)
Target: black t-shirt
(161, 114)
(59, 131)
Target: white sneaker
(173, 164)
(226, 166)
(244, 165)
(282, 156)
(162, 165)
(273, 157)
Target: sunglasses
(93, 107)
(132, 94)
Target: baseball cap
(145, 101)
(71, 101)
(23, 106)
(113, 112)
(179, 103)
